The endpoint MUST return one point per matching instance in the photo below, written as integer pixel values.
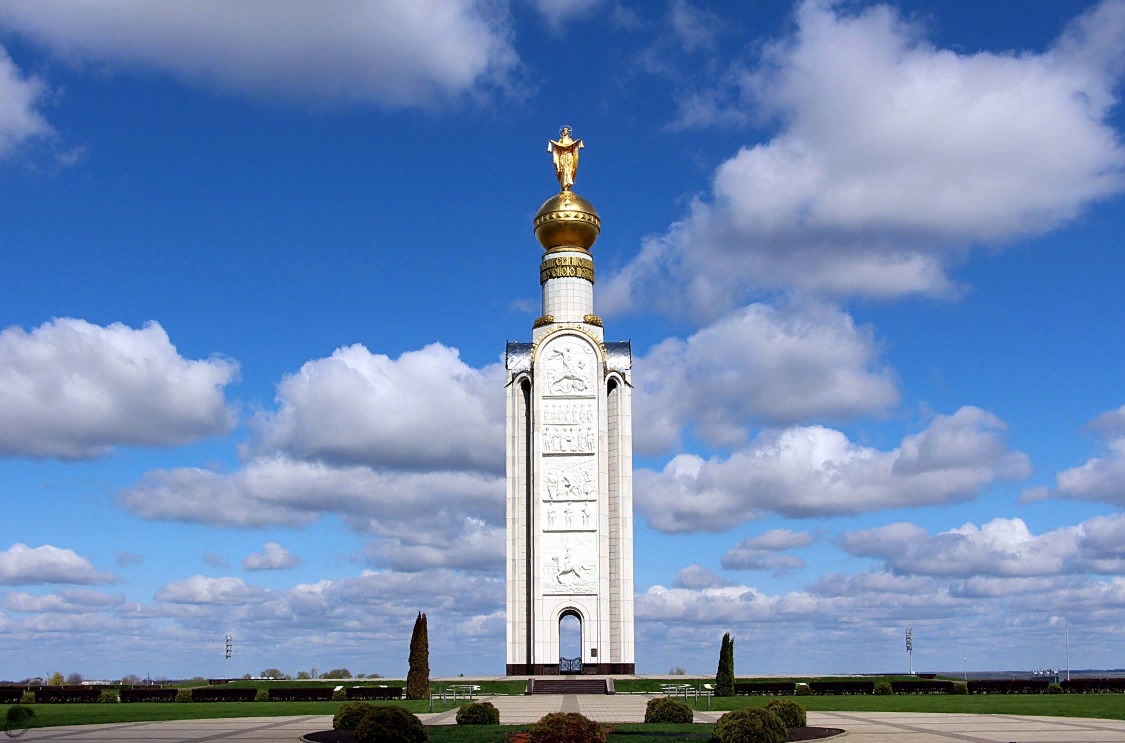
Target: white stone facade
(569, 474)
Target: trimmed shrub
(1054, 688)
(803, 689)
(791, 713)
(666, 709)
(108, 697)
(28, 697)
(884, 689)
(349, 715)
(339, 695)
(959, 688)
(478, 713)
(390, 724)
(183, 695)
(261, 695)
(750, 726)
(566, 727)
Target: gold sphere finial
(566, 220)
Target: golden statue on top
(564, 153)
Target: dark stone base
(588, 669)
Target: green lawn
(1109, 706)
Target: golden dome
(567, 220)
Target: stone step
(568, 686)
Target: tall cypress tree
(418, 677)
(724, 678)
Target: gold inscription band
(566, 266)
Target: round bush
(349, 715)
(107, 697)
(791, 713)
(339, 695)
(884, 689)
(28, 698)
(183, 695)
(1054, 688)
(261, 695)
(566, 727)
(750, 726)
(478, 713)
(666, 709)
(390, 725)
(802, 690)
(959, 688)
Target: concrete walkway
(861, 727)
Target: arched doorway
(570, 641)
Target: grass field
(1108, 706)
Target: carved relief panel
(570, 563)
(570, 494)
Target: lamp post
(230, 645)
(1068, 652)
(910, 649)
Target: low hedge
(842, 687)
(371, 693)
(63, 694)
(770, 688)
(922, 687)
(221, 694)
(143, 694)
(300, 694)
(1094, 686)
(1008, 686)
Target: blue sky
(260, 263)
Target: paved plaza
(861, 727)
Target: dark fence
(1008, 686)
(1094, 686)
(11, 694)
(771, 688)
(220, 694)
(301, 694)
(922, 687)
(842, 687)
(148, 694)
(58, 694)
(372, 693)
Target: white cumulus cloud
(761, 364)
(808, 471)
(1100, 478)
(892, 160)
(74, 390)
(272, 557)
(23, 565)
(1000, 548)
(395, 53)
(199, 589)
(20, 119)
(359, 407)
(759, 552)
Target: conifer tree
(724, 678)
(418, 677)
